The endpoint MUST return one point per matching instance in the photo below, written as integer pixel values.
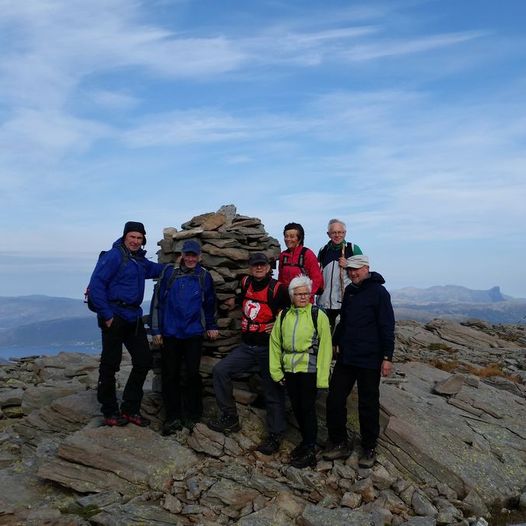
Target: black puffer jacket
(365, 333)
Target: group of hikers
(324, 309)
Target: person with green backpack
(183, 310)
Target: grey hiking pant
(246, 359)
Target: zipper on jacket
(296, 356)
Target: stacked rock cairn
(227, 239)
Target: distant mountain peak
(447, 294)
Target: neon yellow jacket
(292, 345)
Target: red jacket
(290, 267)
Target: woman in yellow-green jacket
(300, 358)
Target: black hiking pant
(182, 399)
(133, 336)
(302, 391)
(342, 381)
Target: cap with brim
(258, 258)
(357, 261)
(191, 246)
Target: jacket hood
(120, 242)
(374, 278)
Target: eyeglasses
(337, 232)
(302, 294)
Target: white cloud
(202, 126)
(113, 99)
(391, 48)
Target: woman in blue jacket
(183, 309)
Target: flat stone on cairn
(227, 239)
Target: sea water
(6, 353)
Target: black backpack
(124, 260)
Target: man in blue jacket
(116, 290)
(365, 341)
(183, 310)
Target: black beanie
(134, 226)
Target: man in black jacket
(365, 341)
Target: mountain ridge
(49, 320)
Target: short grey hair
(333, 221)
(299, 281)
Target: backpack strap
(349, 250)
(315, 338)
(301, 259)
(300, 263)
(245, 285)
(173, 276)
(321, 254)
(202, 278)
(282, 315)
(177, 273)
(273, 287)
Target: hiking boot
(115, 420)
(270, 444)
(367, 458)
(137, 419)
(336, 451)
(298, 451)
(171, 426)
(306, 459)
(190, 423)
(225, 424)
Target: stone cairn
(227, 239)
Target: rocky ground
(452, 451)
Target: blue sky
(404, 118)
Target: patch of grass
(85, 512)
(492, 369)
(447, 366)
(440, 347)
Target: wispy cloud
(399, 47)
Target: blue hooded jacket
(117, 289)
(184, 310)
(365, 333)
